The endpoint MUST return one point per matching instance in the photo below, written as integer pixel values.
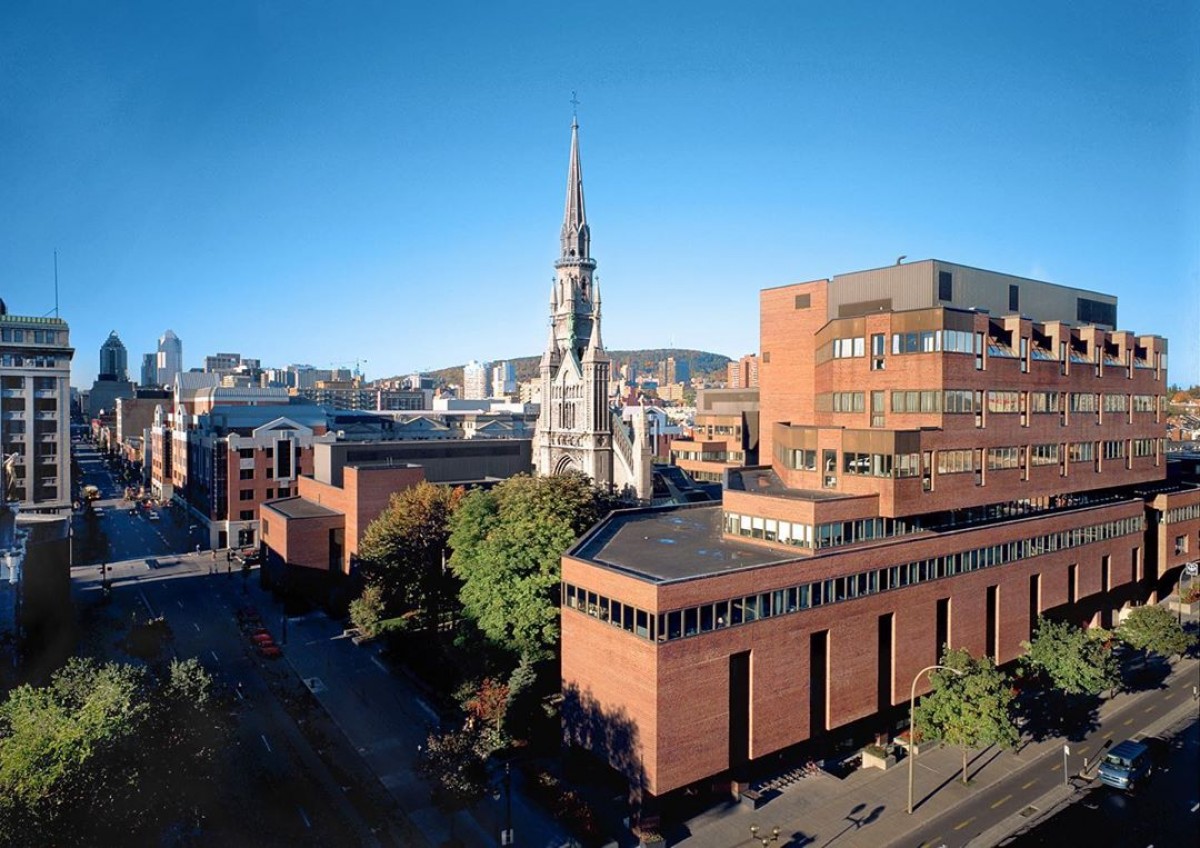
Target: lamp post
(506, 835)
(764, 840)
(912, 725)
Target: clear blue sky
(320, 182)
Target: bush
(366, 611)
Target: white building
(475, 380)
(169, 358)
(504, 380)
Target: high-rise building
(947, 454)
(114, 359)
(743, 374)
(577, 430)
(504, 380)
(222, 362)
(35, 431)
(475, 380)
(149, 375)
(169, 358)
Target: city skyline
(261, 181)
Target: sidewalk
(385, 719)
(868, 808)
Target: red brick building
(947, 454)
(724, 435)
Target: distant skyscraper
(114, 359)
(743, 374)
(169, 360)
(504, 379)
(475, 380)
(149, 370)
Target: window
(848, 401)
(246, 453)
(803, 301)
(916, 401)
(270, 494)
(1043, 402)
(1043, 455)
(1014, 298)
(1143, 403)
(1181, 544)
(908, 465)
(1081, 451)
(1116, 403)
(878, 343)
(1083, 402)
(246, 474)
(1001, 458)
(926, 341)
(945, 285)
(1113, 449)
(1003, 401)
(846, 348)
(246, 495)
(1090, 311)
(800, 460)
(959, 400)
(246, 515)
(1143, 447)
(955, 461)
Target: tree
(403, 550)
(1154, 629)
(1074, 661)
(366, 611)
(486, 702)
(508, 544)
(968, 710)
(457, 773)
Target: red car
(262, 639)
(271, 651)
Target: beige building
(35, 433)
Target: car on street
(1126, 765)
(153, 516)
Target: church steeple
(576, 237)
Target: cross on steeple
(574, 106)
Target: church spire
(576, 237)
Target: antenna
(574, 106)
(56, 282)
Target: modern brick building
(724, 435)
(947, 454)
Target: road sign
(506, 836)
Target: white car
(99, 513)
(153, 516)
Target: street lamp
(912, 725)
(506, 835)
(765, 840)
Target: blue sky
(324, 182)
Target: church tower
(576, 429)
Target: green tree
(366, 611)
(968, 709)
(1073, 660)
(403, 550)
(508, 544)
(1154, 629)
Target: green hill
(701, 363)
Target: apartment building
(947, 453)
(35, 432)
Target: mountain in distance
(701, 363)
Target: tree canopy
(970, 705)
(1074, 661)
(508, 543)
(1155, 629)
(103, 751)
(403, 550)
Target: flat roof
(764, 481)
(298, 507)
(662, 544)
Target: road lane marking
(1107, 735)
(1128, 722)
(197, 626)
(1168, 696)
(307, 823)
(963, 824)
(1003, 800)
(1082, 749)
(263, 737)
(937, 840)
(238, 692)
(1030, 783)
(429, 712)
(180, 604)
(214, 656)
(1149, 709)
(1195, 807)
(1056, 767)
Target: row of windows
(845, 348)
(17, 360)
(13, 334)
(829, 535)
(1005, 400)
(732, 612)
(840, 402)
(1181, 513)
(931, 341)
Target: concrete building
(577, 429)
(476, 383)
(35, 432)
(504, 380)
(724, 435)
(148, 378)
(169, 358)
(934, 475)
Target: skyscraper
(475, 380)
(170, 358)
(504, 379)
(149, 370)
(114, 359)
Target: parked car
(1126, 765)
(153, 516)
